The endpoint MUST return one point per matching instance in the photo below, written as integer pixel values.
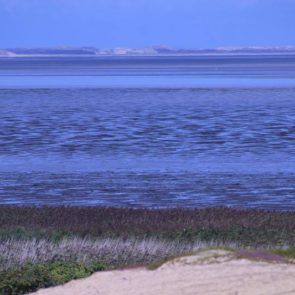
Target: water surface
(173, 140)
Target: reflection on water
(148, 146)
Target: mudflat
(208, 272)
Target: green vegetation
(288, 252)
(30, 277)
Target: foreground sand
(209, 272)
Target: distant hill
(155, 50)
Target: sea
(154, 132)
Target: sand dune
(209, 272)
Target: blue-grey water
(148, 131)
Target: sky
(142, 23)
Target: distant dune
(154, 50)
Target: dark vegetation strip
(249, 227)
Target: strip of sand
(209, 272)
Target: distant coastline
(147, 51)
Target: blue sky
(139, 23)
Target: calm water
(150, 132)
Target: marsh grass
(114, 253)
(249, 227)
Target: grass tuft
(288, 252)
